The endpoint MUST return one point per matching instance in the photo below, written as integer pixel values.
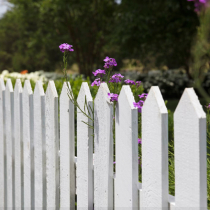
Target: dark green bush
(171, 83)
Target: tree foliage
(163, 29)
(32, 31)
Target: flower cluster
(143, 95)
(208, 106)
(99, 73)
(96, 82)
(130, 82)
(199, 4)
(140, 104)
(116, 78)
(138, 83)
(109, 62)
(113, 97)
(65, 47)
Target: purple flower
(116, 78)
(65, 47)
(113, 97)
(199, 4)
(138, 105)
(208, 106)
(130, 82)
(109, 62)
(143, 95)
(138, 83)
(106, 59)
(96, 82)
(139, 141)
(99, 72)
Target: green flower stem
(70, 92)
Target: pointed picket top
(65, 90)
(103, 92)
(155, 97)
(39, 146)
(38, 90)
(2, 134)
(154, 191)
(189, 97)
(9, 141)
(2, 85)
(18, 126)
(103, 149)
(9, 87)
(127, 95)
(84, 91)
(84, 150)
(51, 89)
(18, 87)
(27, 88)
(190, 152)
(126, 151)
(52, 146)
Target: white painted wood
(2, 138)
(190, 153)
(171, 202)
(18, 132)
(103, 150)
(154, 152)
(52, 146)
(126, 153)
(27, 143)
(9, 143)
(39, 146)
(84, 150)
(67, 153)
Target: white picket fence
(37, 158)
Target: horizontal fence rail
(39, 169)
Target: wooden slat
(154, 192)
(103, 150)
(9, 143)
(52, 146)
(18, 132)
(2, 141)
(39, 146)
(126, 153)
(190, 153)
(67, 154)
(84, 150)
(28, 144)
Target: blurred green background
(152, 41)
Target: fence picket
(39, 147)
(52, 146)
(2, 149)
(84, 150)
(18, 132)
(154, 152)
(28, 143)
(126, 153)
(103, 150)
(67, 154)
(190, 153)
(9, 143)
